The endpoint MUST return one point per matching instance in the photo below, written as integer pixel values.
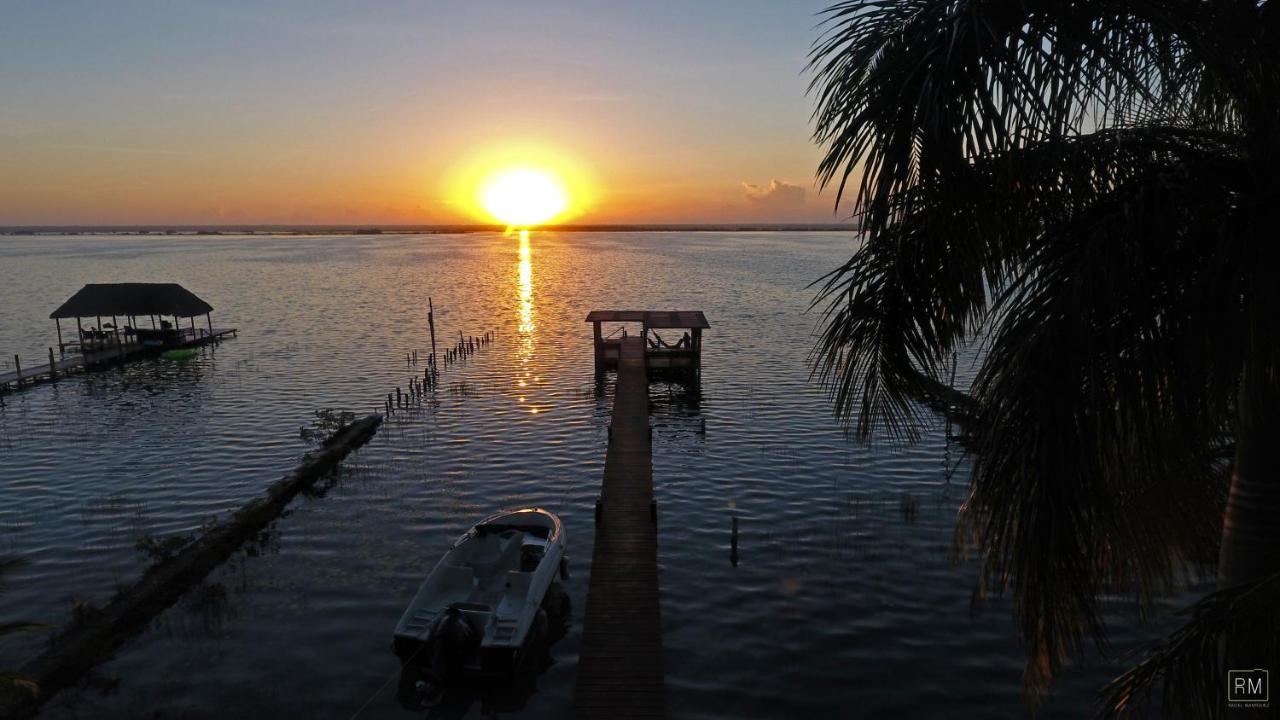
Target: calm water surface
(839, 605)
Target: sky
(185, 112)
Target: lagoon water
(840, 604)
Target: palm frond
(1236, 628)
(912, 293)
(907, 90)
(1087, 188)
(1104, 394)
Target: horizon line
(437, 228)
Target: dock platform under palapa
(106, 343)
(679, 358)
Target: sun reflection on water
(526, 285)
(524, 271)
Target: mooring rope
(365, 705)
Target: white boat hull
(485, 593)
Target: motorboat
(482, 602)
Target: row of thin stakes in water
(430, 380)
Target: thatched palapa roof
(122, 299)
(653, 318)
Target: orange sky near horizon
(275, 117)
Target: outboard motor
(453, 641)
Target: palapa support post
(208, 318)
(58, 323)
(53, 369)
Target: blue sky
(166, 112)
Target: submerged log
(86, 643)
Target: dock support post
(599, 346)
(17, 365)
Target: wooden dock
(78, 363)
(620, 670)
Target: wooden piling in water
(431, 323)
(733, 543)
(620, 667)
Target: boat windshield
(500, 528)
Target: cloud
(779, 195)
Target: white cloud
(779, 195)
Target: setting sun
(521, 197)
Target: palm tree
(1090, 190)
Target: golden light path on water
(524, 273)
(525, 269)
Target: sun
(524, 196)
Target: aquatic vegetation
(1087, 190)
(10, 681)
(159, 549)
(328, 423)
(180, 355)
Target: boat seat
(505, 554)
(457, 581)
(514, 595)
(518, 583)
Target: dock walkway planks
(620, 671)
(39, 373)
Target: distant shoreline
(406, 229)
